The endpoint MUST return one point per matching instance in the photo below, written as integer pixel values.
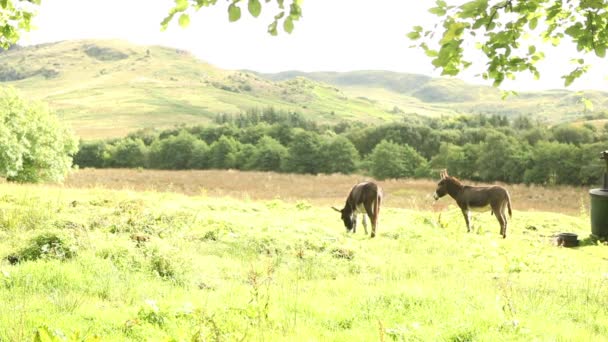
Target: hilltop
(106, 88)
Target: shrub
(48, 245)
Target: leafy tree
(91, 154)
(244, 156)
(287, 17)
(391, 160)
(339, 156)
(15, 16)
(200, 155)
(554, 163)
(304, 153)
(450, 157)
(572, 135)
(500, 28)
(223, 153)
(128, 153)
(269, 155)
(502, 158)
(592, 167)
(34, 145)
(147, 135)
(173, 152)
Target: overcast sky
(332, 35)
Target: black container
(599, 206)
(567, 240)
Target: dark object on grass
(567, 239)
(599, 205)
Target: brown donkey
(478, 198)
(363, 196)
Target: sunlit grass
(158, 265)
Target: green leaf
(600, 51)
(255, 8)
(184, 20)
(438, 11)
(3, 3)
(413, 35)
(272, 28)
(533, 23)
(181, 5)
(288, 25)
(234, 13)
(531, 49)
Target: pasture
(232, 256)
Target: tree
(34, 145)
(502, 158)
(339, 156)
(173, 152)
(128, 153)
(269, 155)
(554, 163)
(15, 16)
(223, 153)
(391, 160)
(304, 153)
(569, 134)
(90, 154)
(182, 7)
(200, 155)
(500, 28)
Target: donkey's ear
(336, 209)
(443, 173)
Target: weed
(48, 245)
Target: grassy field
(273, 263)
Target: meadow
(116, 255)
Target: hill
(406, 90)
(107, 88)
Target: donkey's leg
(504, 219)
(467, 219)
(372, 216)
(354, 218)
(365, 223)
(500, 216)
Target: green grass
(155, 266)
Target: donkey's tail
(377, 209)
(509, 205)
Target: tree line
(475, 147)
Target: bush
(35, 145)
(48, 245)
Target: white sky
(332, 35)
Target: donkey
(478, 198)
(363, 196)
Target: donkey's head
(347, 218)
(442, 186)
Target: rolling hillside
(108, 88)
(406, 90)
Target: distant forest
(478, 148)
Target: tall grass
(159, 266)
